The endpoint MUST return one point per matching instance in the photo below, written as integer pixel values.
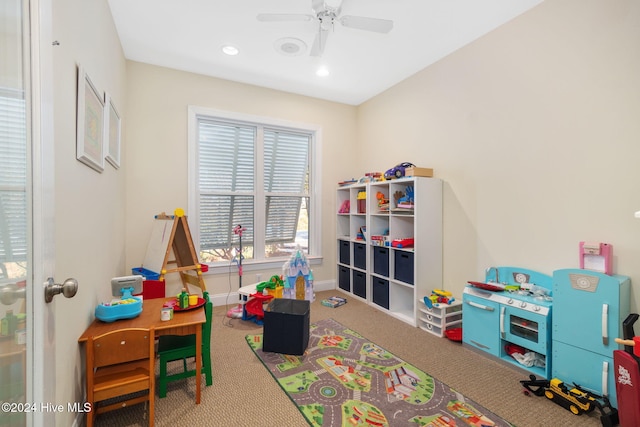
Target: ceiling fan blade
(367, 24)
(278, 17)
(319, 43)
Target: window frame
(315, 165)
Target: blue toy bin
(147, 274)
(126, 308)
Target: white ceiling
(189, 34)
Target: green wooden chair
(174, 347)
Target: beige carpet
(244, 393)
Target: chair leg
(91, 413)
(90, 417)
(206, 361)
(162, 381)
(152, 415)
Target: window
(252, 182)
(13, 181)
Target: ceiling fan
(327, 13)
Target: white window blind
(286, 176)
(250, 175)
(226, 168)
(13, 177)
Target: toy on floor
(255, 307)
(274, 286)
(298, 277)
(236, 312)
(627, 369)
(575, 399)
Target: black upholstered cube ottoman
(286, 326)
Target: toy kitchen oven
(509, 317)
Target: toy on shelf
(407, 200)
(347, 182)
(437, 297)
(362, 233)
(575, 399)
(404, 202)
(370, 177)
(362, 201)
(345, 207)
(383, 202)
(402, 243)
(398, 171)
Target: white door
(26, 213)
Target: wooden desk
(183, 323)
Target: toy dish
(174, 304)
(495, 287)
(454, 334)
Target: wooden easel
(179, 242)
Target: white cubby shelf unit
(391, 279)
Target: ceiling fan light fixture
(230, 50)
(290, 46)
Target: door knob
(68, 289)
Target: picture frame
(112, 131)
(90, 122)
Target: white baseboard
(233, 297)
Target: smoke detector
(290, 46)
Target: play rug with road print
(343, 379)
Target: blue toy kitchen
(553, 326)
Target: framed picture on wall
(90, 132)
(111, 131)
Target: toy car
(574, 398)
(398, 170)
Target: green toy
(272, 283)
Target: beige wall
(89, 206)
(534, 128)
(156, 149)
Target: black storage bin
(359, 284)
(360, 256)
(344, 278)
(381, 292)
(381, 260)
(286, 326)
(345, 257)
(403, 266)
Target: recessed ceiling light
(230, 50)
(322, 72)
